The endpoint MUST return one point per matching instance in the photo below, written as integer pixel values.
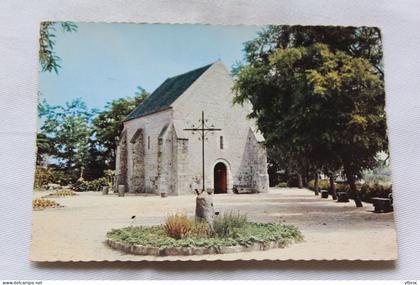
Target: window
(221, 142)
(148, 142)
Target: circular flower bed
(40, 204)
(226, 238)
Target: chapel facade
(156, 155)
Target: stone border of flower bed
(185, 251)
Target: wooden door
(220, 178)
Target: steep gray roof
(167, 93)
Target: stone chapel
(156, 155)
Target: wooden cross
(203, 129)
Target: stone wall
(152, 126)
(137, 155)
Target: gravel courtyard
(331, 230)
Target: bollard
(121, 190)
(105, 190)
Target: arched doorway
(220, 178)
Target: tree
(322, 107)
(47, 57)
(67, 127)
(109, 123)
(44, 147)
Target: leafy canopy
(317, 95)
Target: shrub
(323, 184)
(93, 185)
(177, 226)
(370, 190)
(282, 184)
(200, 230)
(41, 203)
(43, 176)
(229, 223)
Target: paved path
(332, 230)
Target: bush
(93, 185)
(43, 176)
(177, 226)
(282, 184)
(40, 204)
(323, 184)
(370, 190)
(229, 223)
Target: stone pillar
(204, 210)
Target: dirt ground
(77, 231)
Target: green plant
(228, 223)
(43, 176)
(249, 233)
(282, 184)
(92, 185)
(323, 184)
(177, 226)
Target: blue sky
(102, 62)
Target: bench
(382, 205)
(342, 197)
(324, 194)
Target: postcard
(168, 142)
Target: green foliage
(317, 96)
(370, 190)
(67, 128)
(43, 176)
(47, 57)
(323, 184)
(44, 146)
(93, 185)
(179, 226)
(156, 236)
(282, 184)
(108, 124)
(229, 223)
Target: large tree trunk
(332, 187)
(353, 190)
(300, 182)
(316, 184)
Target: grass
(247, 234)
